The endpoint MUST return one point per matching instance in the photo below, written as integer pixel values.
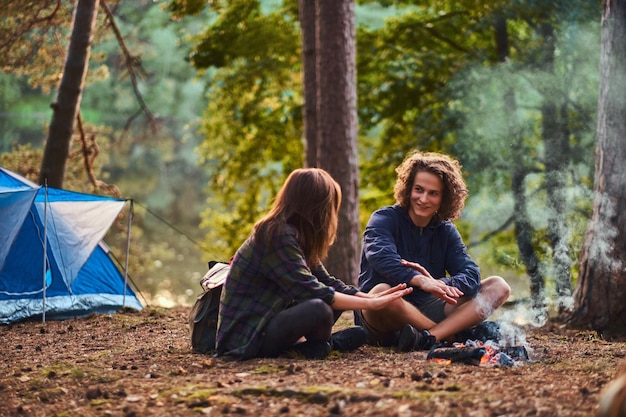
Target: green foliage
(33, 33)
(428, 78)
(242, 31)
(23, 160)
(158, 169)
(259, 145)
(253, 123)
(485, 140)
(180, 8)
(403, 69)
(21, 117)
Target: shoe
(312, 349)
(349, 339)
(487, 330)
(411, 339)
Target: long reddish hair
(309, 201)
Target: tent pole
(45, 248)
(130, 220)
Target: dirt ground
(140, 364)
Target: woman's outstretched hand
(434, 286)
(380, 300)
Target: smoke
(502, 136)
(510, 321)
(605, 234)
(512, 335)
(484, 305)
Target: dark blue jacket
(391, 235)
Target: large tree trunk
(337, 125)
(523, 228)
(67, 104)
(556, 159)
(601, 289)
(309, 77)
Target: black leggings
(311, 319)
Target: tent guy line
(161, 219)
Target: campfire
(479, 353)
(506, 351)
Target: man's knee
(496, 289)
(392, 316)
(391, 313)
(378, 288)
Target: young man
(415, 242)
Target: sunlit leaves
(253, 123)
(34, 37)
(242, 31)
(180, 8)
(430, 79)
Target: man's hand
(427, 283)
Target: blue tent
(80, 278)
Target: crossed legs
(494, 291)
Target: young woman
(278, 296)
(415, 243)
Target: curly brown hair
(445, 167)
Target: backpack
(203, 315)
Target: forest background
(510, 88)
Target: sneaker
(411, 339)
(312, 349)
(349, 339)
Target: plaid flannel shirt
(264, 280)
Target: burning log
(464, 354)
(517, 353)
(487, 344)
(477, 353)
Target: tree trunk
(65, 109)
(556, 159)
(601, 289)
(523, 235)
(309, 79)
(523, 228)
(337, 125)
(557, 162)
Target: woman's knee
(321, 311)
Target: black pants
(311, 319)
